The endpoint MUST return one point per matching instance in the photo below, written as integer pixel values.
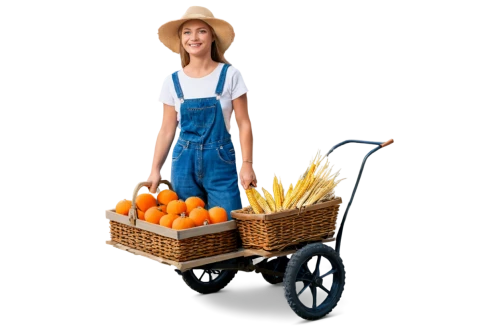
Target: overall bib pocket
(201, 117)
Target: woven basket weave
(170, 248)
(278, 230)
(176, 245)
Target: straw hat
(168, 33)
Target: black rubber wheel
(319, 268)
(278, 265)
(206, 281)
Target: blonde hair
(215, 48)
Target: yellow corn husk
(269, 200)
(277, 194)
(288, 203)
(282, 193)
(262, 202)
(315, 184)
(296, 193)
(308, 187)
(287, 196)
(319, 179)
(302, 200)
(321, 193)
(326, 190)
(313, 179)
(323, 181)
(307, 194)
(307, 182)
(312, 165)
(253, 201)
(299, 191)
(310, 192)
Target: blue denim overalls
(203, 159)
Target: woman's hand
(154, 178)
(247, 176)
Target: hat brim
(168, 35)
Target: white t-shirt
(234, 87)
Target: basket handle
(132, 213)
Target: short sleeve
(238, 86)
(166, 93)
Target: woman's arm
(247, 175)
(163, 144)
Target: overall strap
(222, 79)
(177, 85)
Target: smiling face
(196, 37)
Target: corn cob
(311, 179)
(288, 198)
(277, 194)
(304, 184)
(269, 200)
(262, 202)
(253, 201)
(298, 193)
(281, 192)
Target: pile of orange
(169, 211)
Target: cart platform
(186, 265)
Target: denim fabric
(203, 159)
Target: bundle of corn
(317, 184)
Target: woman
(199, 99)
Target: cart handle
(132, 213)
(378, 144)
(387, 143)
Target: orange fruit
(193, 202)
(183, 222)
(165, 196)
(123, 207)
(167, 220)
(176, 207)
(217, 214)
(153, 215)
(145, 201)
(199, 216)
(140, 214)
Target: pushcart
(313, 278)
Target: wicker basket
(278, 230)
(182, 245)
